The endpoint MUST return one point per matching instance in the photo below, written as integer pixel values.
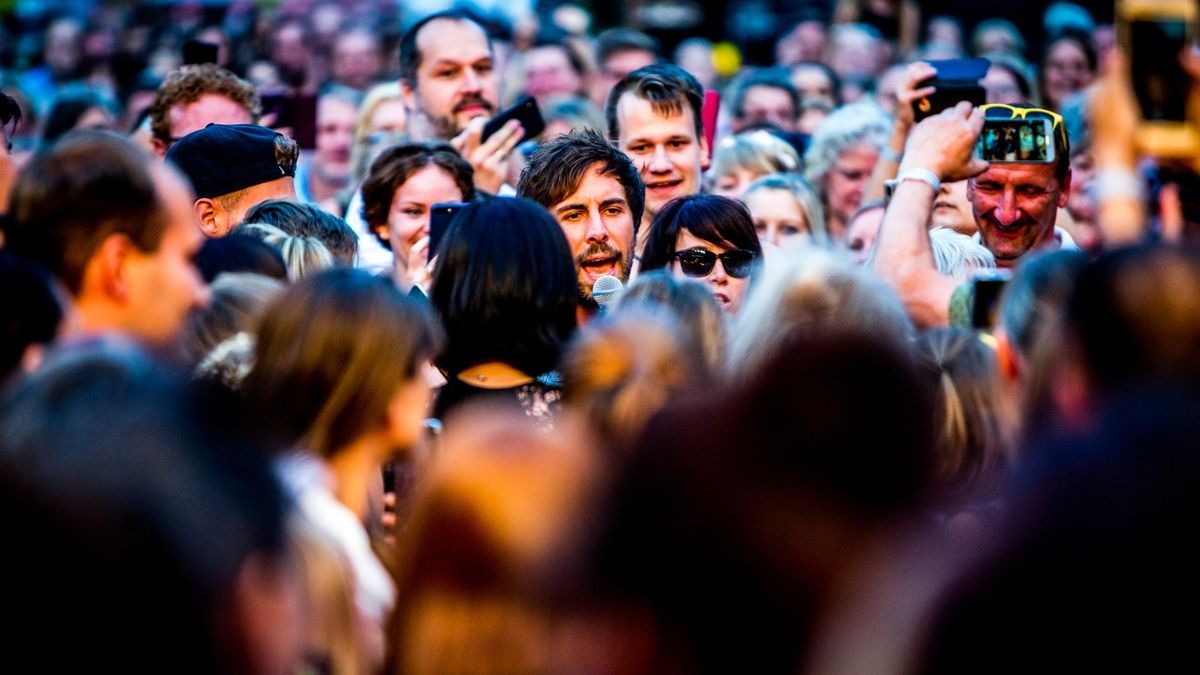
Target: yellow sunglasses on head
(1005, 111)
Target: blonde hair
(806, 198)
(813, 291)
(302, 255)
(492, 521)
(972, 418)
(363, 149)
(619, 372)
(758, 151)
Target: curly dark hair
(188, 83)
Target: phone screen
(1019, 140)
(986, 302)
(1159, 80)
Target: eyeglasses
(699, 262)
(1004, 111)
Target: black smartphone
(987, 287)
(526, 112)
(1024, 141)
(440, 215)
(293, 114)
(956, 80)
(197, 52)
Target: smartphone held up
(1155, 33)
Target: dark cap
(224, 158)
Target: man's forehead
(638, 117)
(452, 39)
(1042, 175)
(594, 184)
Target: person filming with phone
(1014, 201)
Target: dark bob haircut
(505, 287)
(720, 220)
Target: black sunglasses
(699, 262)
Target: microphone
(606, 290)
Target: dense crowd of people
(747, 362)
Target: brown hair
(187, 84)
(331, 351)
(398, 163)
(82, 190)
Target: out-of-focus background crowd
(725, 351)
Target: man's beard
(447, 127)
(624, 265)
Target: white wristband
(923, 175)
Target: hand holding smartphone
(956, 80)
(524, 111)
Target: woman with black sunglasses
(709, 238)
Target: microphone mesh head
(606, 289)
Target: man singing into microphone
(595, 193)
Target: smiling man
(596, 195)
(654, 116)
(1014, 205)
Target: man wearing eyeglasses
(1014, 204)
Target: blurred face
(389, 116)
(336, 119)
(208, 109)
(1082, 204)
(861, 233)
(952, 209)
(665, 149)
(599, 227)
(456, 80)
(356, 60)
(548, 73)
(1015, 207)
(778, 218)
(1066, 71)
(408, 409)
(163, 286)
(734, 183)
(846, 179)
(1001, 86)
(408, 218)
(727, 289)
(615, 69)
(767, 105)
(812, 82)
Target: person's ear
(105, 273)
(160, 147)
(1064, 193)
(207, 217)
(382, 232)
(408, 95)
(705, 155)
